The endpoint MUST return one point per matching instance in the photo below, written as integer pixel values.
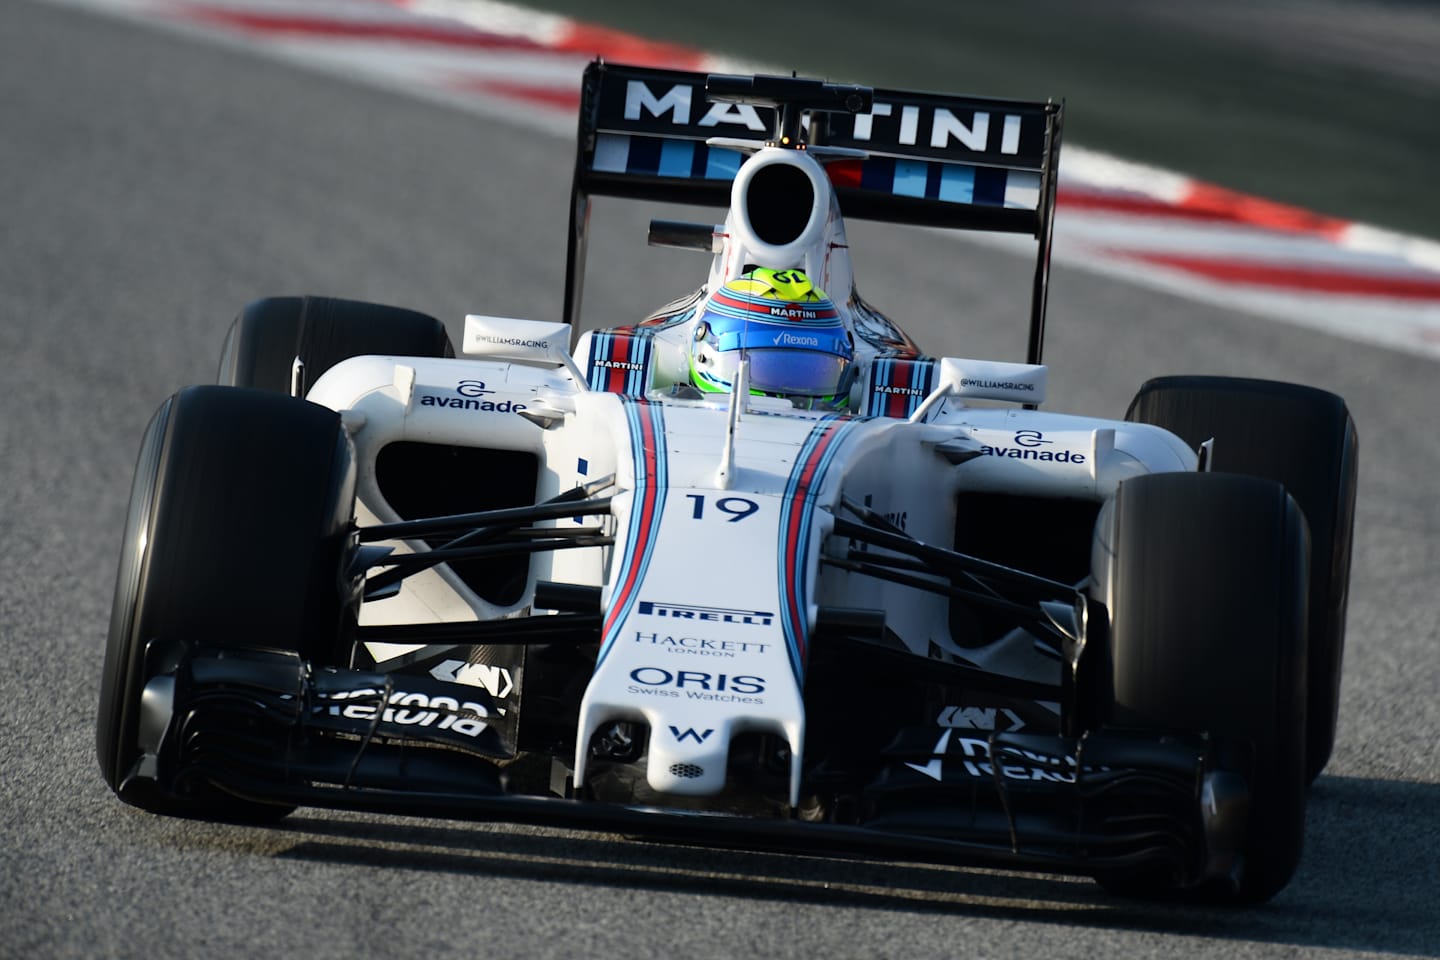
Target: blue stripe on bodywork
(644, 155)
(990, 187)
(957, 184)
(722, 164)
(675, 158)
(880, 376)
(806, 479)
(599, 347)
(646, 422)
(910, 178)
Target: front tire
(270, 335)
(1305, 439)
(237, 535)
(1205, 576)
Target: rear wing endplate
(919, 158)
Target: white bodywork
(721, 512)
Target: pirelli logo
(698, 614)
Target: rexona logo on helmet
(788, 330)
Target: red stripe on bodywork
(845, 173)
(619, 349)
(901, 375)
(645, 490)
(798, 509)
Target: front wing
(265, 726)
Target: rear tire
(1305, 439)
(1206, 581)
(238, 535)
(270, 334)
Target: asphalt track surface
(155, 184)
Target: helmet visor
(803, 372)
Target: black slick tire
(1304, 438)
(238, 534)
(1206, 576)
(270, 334)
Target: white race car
(755, 570)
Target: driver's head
(789, 331)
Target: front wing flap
(265, 726)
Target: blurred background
(1333, 105)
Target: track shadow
(1369, 879)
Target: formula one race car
(754, 571)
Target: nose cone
(688, 760)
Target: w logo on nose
(691, 734)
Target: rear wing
(892, 155)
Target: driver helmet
(789, 331)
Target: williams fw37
(755, 570)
